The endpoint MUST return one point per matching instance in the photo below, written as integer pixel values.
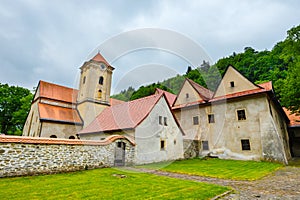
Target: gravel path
(282, 184)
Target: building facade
(240, 120)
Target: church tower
(94, 88)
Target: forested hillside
(281, 65)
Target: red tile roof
(264, 87)
(37, 140)
(205, 93)
(99, 58)
(294, 118)
(57, 92)
(169, 96)
(114, 102)
(59, 114)
(123, 116)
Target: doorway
(120, 154)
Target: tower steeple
(94, 87)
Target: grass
(103, 184)
(216, 168)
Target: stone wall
(29, 156)
(192, 148)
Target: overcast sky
(50, 40)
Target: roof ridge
(55, 84)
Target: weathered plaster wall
(32, 125)
(149, 133)
(29, 156)
(187, 94)
(60, 130)
(267, 136)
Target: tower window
(101, 80)
(99, 94)
(53, 136)
(232, 84)
(241, 114)
(211, 118)
(84, 80)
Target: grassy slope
(101, 184)
(225, 169)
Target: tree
(14, 107)
(291, 89)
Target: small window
(187, 95)
(162, 145)
(232, 84)
(196, 120)
(241, 114)
(53, 136)
(211, 118)
(99, 94)
(245, 145)
(160, 120)
(84, 80)
(101, 80)
(205, 146)
(72, 137)
(165, 121)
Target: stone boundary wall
(21, 156)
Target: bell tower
(94, 88)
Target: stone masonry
(30, 156)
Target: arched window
(53, 136)
(99, 94)
(71, 137)
(101, 80)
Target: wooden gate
(120, 154)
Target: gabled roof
(231, 75)
(99, 58)
(114, 102)
(294, 118)
(263, 87)
(58, 114)
(169, 96)
(123, 116)
(57, 92)
(204, 93)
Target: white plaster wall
(60, 130)
(32, 124)
(149, 134)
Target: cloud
(50, 40)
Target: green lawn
(102, 184)
(225, 169)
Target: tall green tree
(14, 107)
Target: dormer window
(232, 84)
